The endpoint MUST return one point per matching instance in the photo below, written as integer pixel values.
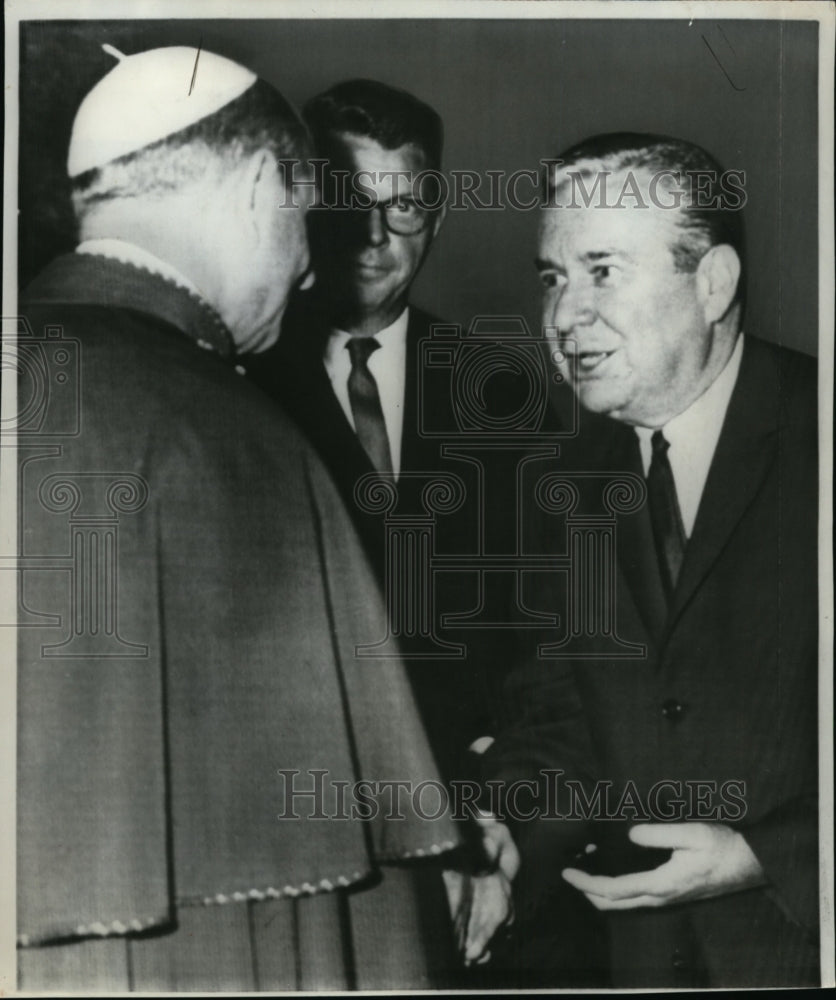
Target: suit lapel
(607, 447)
(308, 395)
(337, 438)
(416, 450)
(746, 450)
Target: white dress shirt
(388, 367)
(693, 436)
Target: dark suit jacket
(455, 695)
(726, 692)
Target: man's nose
(375, 232)
(575, 307)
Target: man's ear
(257, 191)
(438, 221)
(717, 276)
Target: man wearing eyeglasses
(346, 367)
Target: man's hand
(709, 859)
(481, 903)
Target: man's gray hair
(703, 222)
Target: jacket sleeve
(544, 742)
(786, 843)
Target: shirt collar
(393, 334)
(709, 408)
(703, 419)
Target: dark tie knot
(659, 444)
(360, 349)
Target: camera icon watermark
(498, 516)
(48, 371)
(497, 376)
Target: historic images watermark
(521, 190)
(312, 794)
(470, 433)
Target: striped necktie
(365, 404)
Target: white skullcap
(147, 97)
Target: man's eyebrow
(600, 254)
(545, 264)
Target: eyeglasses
(402, 216)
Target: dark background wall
(510, 93)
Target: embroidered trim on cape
(114, 927)
(172, 279)
(99, 929)
(287, 892)
(421, 852)
(311, 889)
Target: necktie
(365, 404)
(668, 531)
